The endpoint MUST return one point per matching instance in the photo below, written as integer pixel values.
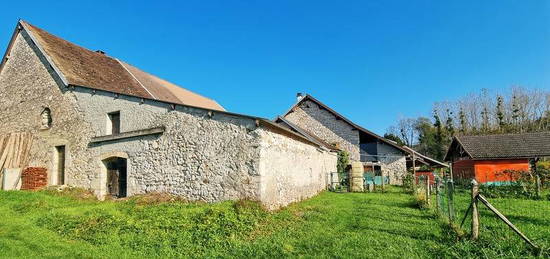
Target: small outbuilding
(487, 158)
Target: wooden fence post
(503, 218)
(428, 198)
(437, 199)
(383, 180)
(475, 214)
(414, 171)
(538, 186)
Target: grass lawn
(372, 225)
(532, 217)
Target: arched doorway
(117, 177)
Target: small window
(113, 126)
(46, 118)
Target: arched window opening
(46, 118)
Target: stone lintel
(129, 134)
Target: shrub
(421, 199)
(522, 184)
(408, 183)
(343, 161)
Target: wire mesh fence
(444, 189)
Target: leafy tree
(394, 138)
(518, 110)
(515, 111)
(343, 162)
(485, 120)
(463, 123)
(427, 143)
(439, 136)
(449, 124)
(500, 113)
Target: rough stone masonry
(318, 120)
(198, 153)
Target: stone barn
(381, 157)
(377, 154)
(93, 121)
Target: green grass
(366, 225)
(532, 217)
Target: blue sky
(372, 61)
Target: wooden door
(116, 177)
(122, 179)
(112, 181)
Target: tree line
(516, 110)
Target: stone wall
(324, 125)
(393, 163)
(291, 170)
(198, 156)
(27, 87)
(201, 155)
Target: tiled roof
(339, 116)
(83, 67)
(524, 145)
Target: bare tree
(407, 131)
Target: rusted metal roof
(502, 146)
(83, 67)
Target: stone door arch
(114, 175)
(117, 177)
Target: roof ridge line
(133, 76)
(348, 121)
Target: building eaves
(305, 133)
(338, 115)
(21, 25)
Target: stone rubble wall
(27, 87)
(197, 157)
(291, 170)
(325, 126)
(201, 155)
(394, 164)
